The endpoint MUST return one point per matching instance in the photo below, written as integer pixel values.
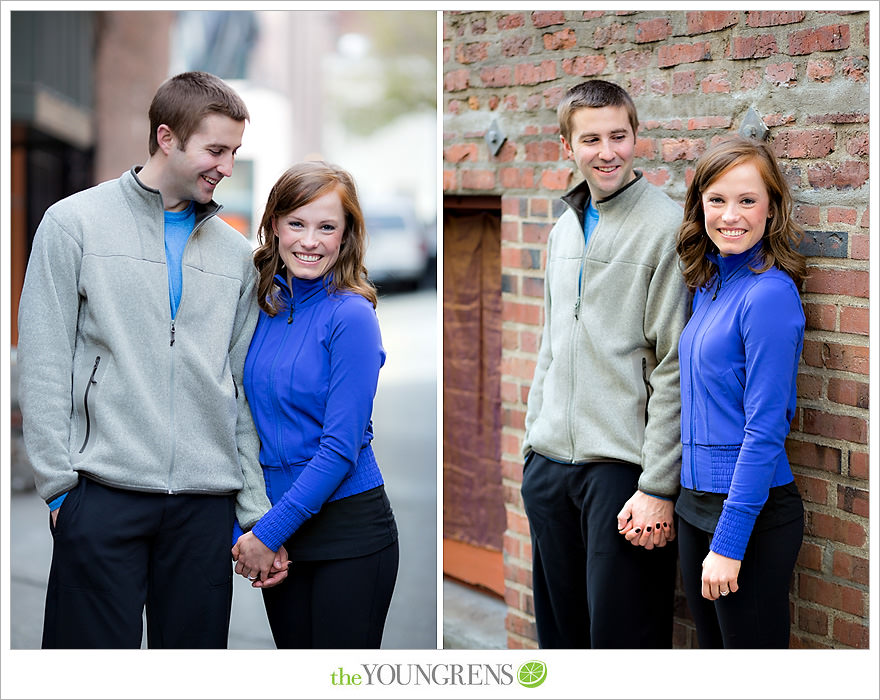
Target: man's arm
(666, 313)
(251, 501)
(47, 325)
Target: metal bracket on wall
(753, 126)
(495, 138)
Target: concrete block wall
(693, 75)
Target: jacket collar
(729, 265)
(579, 196)
(302, 292)
(153, 198)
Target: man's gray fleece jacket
(606, 385)
(109, 385)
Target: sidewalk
(471, 619)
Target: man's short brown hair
(594, 93)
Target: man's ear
(165, 138)
(566, 148)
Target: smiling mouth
(307, 257)
(210, 180)
(607, 169)
(732, 232)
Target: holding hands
(259, 564)
(646, 521)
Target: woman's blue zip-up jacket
(310, 378)
(739, 357)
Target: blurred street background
(356, 88)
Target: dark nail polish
(638, 530)
(658, 526)
(648, 529)
(665, 525)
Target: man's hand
(54, 516)
(646, 521)
(254, 560)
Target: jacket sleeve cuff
(274, 528)
(732, 533)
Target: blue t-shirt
(178, 227)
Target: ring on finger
(724, 592)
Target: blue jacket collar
(731, 264)
(302, 291)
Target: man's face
(602, 147)
(194, 172)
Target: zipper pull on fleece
(172, 331)
(717, 289)
(577, 307)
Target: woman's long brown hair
(298, 186)
(781, 235)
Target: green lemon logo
(531, 674)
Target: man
(136, 314)
(602, 442)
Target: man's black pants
(592, 588)
(117, 551)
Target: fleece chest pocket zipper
(88, 403)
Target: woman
(310, 378)
(741, 516)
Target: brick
(511, 22)
(609, 34)
(831, 595)
(496, 76)
(532, 74)
(853, 634)
(710, 21)
(585, 65)
(848, 392)
(824, 244)
(547, 18)
(659, 87)
(750, 79)
(865, 219)
(820, 69)
(839, 118)
(556, 179)
(851, 568)
(450, 180)
(478, 26)
(681, 149)
(837, 529)
(539, 206)
(809, 143)
(512, 46)
(812, 621)
(520, 625)
(512, 206)
(854, 319)
(846, 358)
(812, 490)
(456, 80)
(675, 54)
(812, 455)
(517, 178)
(552, 97)
(645, 149)
(650, 30)
(657, 177)
(533, 287)
(833, 426)
(852, 500)
(830, 38)
(781, 74)
(459, 152)
(542, 151)
(535, 233)
(860, 247)
(747, 47)
(632, 60)
(472, 53)
(563, 39)
(858, 145)
(810, 556)
(683, 82)
(473, 103)
(477, 179)
(715, 83)
(855, 68)
(637, 86)
(809, 386)
(849, 282)
(820, 317)
(842, 215)
(858, 465)
(773, 19)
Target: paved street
(405, 426)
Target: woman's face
(735, 207)
(309, 237)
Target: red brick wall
(693, 76)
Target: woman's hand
(255, 561)
(277, 573)
(720, 575)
